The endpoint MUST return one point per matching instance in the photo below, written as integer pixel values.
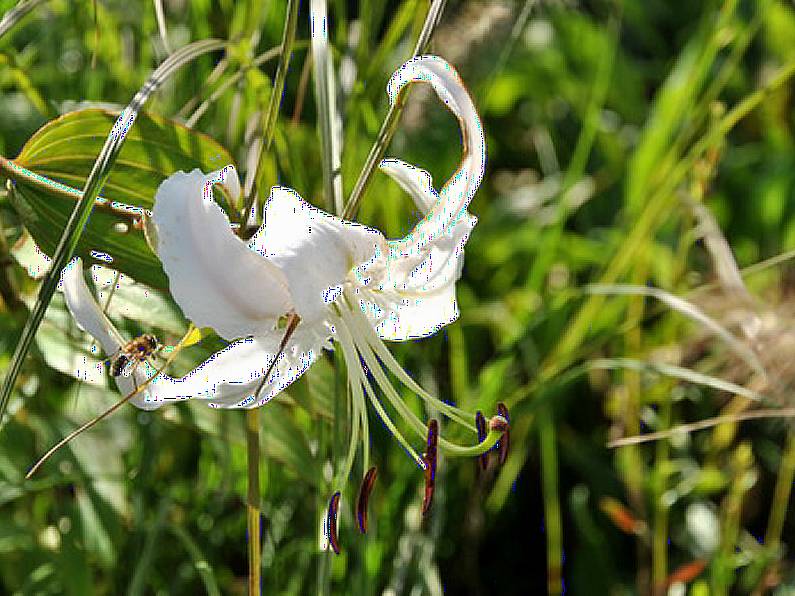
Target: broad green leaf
(56, 161)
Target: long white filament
(352, 322)
(356, 374)
(364, 330)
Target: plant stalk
(253, 513)
(389, 126)
(552, 518)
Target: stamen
(364, 496)
(291, 322)
(505, 441)
(365, 433)
(355, 372)
(391, 364)
(345, 472)
(430, 467)
(351, 323)
(480, 423)
(410, 417)
(331, 522)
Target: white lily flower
(345, 281)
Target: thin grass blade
(689, 310)
(13, 16)
(325, 97)
(676, 372)
(271, 114)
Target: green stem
(272, 113)
(659, 547)
(254, 516)
(743, 477)
(389, 126)
(549, 478)
(778, 511)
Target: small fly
(134, 352)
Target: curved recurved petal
(231, 377)
(84, 308)
(214, 277)
(315, 250)
(418, 316)
(89, 316)
(460, 188)
(443, 259)
(417, 182)
(418, 299)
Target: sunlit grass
(597, 300)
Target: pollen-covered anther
(505, 441)
(498, 423)
(480, 425)
(364, 496)
(331, 522)
(430, 464)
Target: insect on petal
(430, 465)
(331, 522)
(364, 496)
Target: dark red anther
(430, 464)
(331, 522)
(364, 496)
(505, 441)
(480, 424)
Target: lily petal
(444, 258)
(315, 250)
(460, 188)
(214, 277)
(228, 379)
(420, 299)
(231, 377)
(85, 310)
(412, 318)
(89, 316)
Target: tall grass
(630, 275)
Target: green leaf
(57, 159)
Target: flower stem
(271, 114)
(552, 520)
(778, 511)
(389, 125)
(253, 504)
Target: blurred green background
(643, 143)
